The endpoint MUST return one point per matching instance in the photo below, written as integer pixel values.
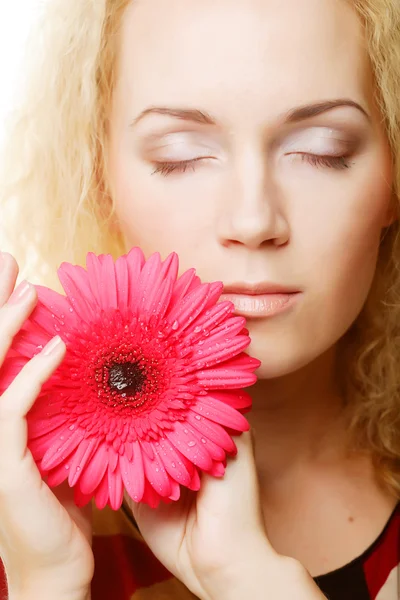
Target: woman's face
(244, 137)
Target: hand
(44, 539)
(207, 535)
(215, 541)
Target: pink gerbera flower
(149, 392)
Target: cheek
(342, 252)
(158, 216)
(349, 244)
(333, 254)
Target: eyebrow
(300, 113)
(185, 114)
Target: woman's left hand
(215, 540)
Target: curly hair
(55, 189)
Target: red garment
(126, 569)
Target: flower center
(126, 378)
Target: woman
(258, 140)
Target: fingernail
(51, 346)
(20, 293)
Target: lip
(261, 299)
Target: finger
(14, 313)
(8, 276)
(237, 492)
(82, 516)
(18, 399)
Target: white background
(16, 18)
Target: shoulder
(125, 567)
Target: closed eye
(316, 160)
(332, 162)
(167, 168)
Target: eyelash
(165, 168)
(332, 162)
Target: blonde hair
(54, 180)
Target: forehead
(227, 53)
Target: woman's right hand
(44, 538)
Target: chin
(280, 358)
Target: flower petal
(10, 368)
(54, 303)
(78, 295)
(212, 431)
(135, 261)
(210, 354)
(30, 340)
(43, 426)
(82, 456)
(170, 266)
(186, 311)
(239, 399)
(102, 280)
(195, 484)
(157, 476)
(57, 475)
(213, 449)
(101, 494)
(122, 277)
(61, 448)
(94, 471)
(214, 316)
(132, 473)
(198, 455)
(218, 470)
(225, 377)
(149, 281)
(38, 446)
(221, 413)
(174, 464)
(150, 496)
(176, 491)
(187, 281)
(115, 489)
(80, 498)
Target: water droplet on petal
(71, 427)
(71, 310)
(173, 464)
(175, 325)
(198, 417)
(197, 329)
(191, 444)
(67, 467)
(78, 469)
(204, 440)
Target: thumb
(237, 493)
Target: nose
(253, 213)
